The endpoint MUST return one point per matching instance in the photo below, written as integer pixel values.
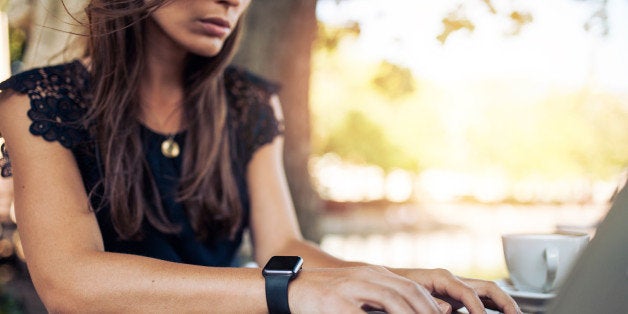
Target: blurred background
(418, 131)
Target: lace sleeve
(256, 121)
(5, 163)
(56, 104)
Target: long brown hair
(207, 187)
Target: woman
(155, 157)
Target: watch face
(283, 265)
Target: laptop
(598, 281)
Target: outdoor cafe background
(432, 126)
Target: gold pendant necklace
(170, 147)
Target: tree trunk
(277, 44)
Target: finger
(414, 294)
(421, 300)
(445, 283)
(382, 297)
(444, 306)
(493, 296)
(346, 306)
(455, 304)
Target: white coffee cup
(540, 262)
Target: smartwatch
(278, 273)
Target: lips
(215, 27)
(217, 21)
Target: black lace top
(59, 96)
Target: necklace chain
(169, 147)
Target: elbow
(56, 303)
(58, 299)
(63, 294)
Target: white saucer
(507, 286)
(529, 302)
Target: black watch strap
(277, 294)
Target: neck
(161, 90)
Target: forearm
(110, 282)
(314, 256)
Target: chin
(206, 50)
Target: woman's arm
(326, 284)
(273, 218)
(352, 284)
(64, 247)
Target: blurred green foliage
(460, 18)
(394, 81)
(359, 139)
(17, 41)
(330, 36)
(560, 135)
(8, 305)
(554, 133)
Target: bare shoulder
(13, 110)
(52, 207)
(49, 190)
(11, 96)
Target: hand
(472, 293)
(353, 289)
